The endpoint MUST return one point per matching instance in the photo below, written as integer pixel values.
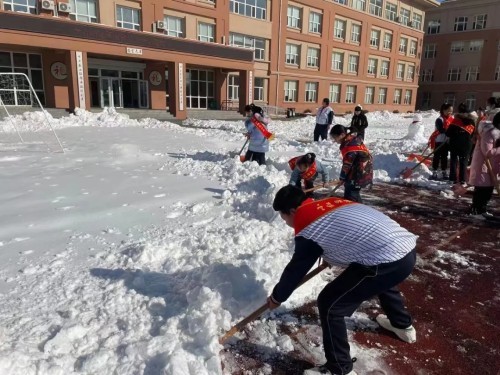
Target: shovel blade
(406, 173)
(242, 158)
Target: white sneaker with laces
(408, 335)
(322, 370)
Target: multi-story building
(206, 53)
(461, 54)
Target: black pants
(259, 157)
(480, 199)
(458, 158)
(352, 193)
(309, 184)
(342, 297)
(320, 131)
(440, 157)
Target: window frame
(350, 64)
(173, 32)
(350, 95)
(242, 6)
(339, 62)
(136, 11)
(476, 23)
(334, 96)
(206, 38)
(460, 23)
(371, 66)
(383, 90)
(30, 8)
(289, 59)
(80, 17)
(313, 23)
(293, 90)
(369, 94)
(292, 19)
(356, 31)
(339, 33)
(454, 72)
(311, 88)
(313, 61)
(375, 7)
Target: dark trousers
(320, 131)
(352, 193)
(259, 157)
(460, 159)
(440, 157)
(309, 184)
(480, 199)
(342, 297)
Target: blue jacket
(320, 170)
(258, 143)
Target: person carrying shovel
(307, 168)
(378, 255)
(257, 134)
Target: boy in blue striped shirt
(378, 253)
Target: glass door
(111, 93)
(143, 94)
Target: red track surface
(453, 296)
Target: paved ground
(453, 295)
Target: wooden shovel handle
(262, 309)
(321, 186)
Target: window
(470, 101)
(249, 8)
(312, 92)
(128, 18)
(410, 73)
(426, 100)
(413, 47)
(292, 54)
(429, 51)
(233, 87)
(479, 22)
(476, 45)
(403, 43)
(25, 6)
(355, 33)
(206, 32)
(174, 26)
(404, 16)
(313, 57)
(427, 75)
(339, 29)
(369, 92)
(17, 91)
(359, 4)
(343, 2)
(397, 96)
(353, 64)
(374, 38)
(245, 41)
(291, 91)
(457, 47)
(376, 7)
(258, 89)
(83, 10)
(350, 94)
(407, 97)
(433, 27)
(387, 41)
(372, 66)
(400, 71)
(460, 24)
(315, 22)
(382, 95)
(417, 21)
(334, 93)
(337, 61)
(497, 73)
(391, 11)
(454, 74)
(384, 68)
(293, 17)
(472, 73)
(449, 97)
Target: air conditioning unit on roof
(48, 5)
(160, 25)
(64, 7)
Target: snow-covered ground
(133, 251)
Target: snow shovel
(321, 186)
(335, 189)
(420, 157)
(242, 157)
(239, 326)
(407, 172)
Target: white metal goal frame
(34, 94)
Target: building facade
(182, 54)
(461, 54)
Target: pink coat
(489, 135)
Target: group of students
(377, 253)
(469, 138)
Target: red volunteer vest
(259, 125)
(309, 173)
(446, 123)
(345, 150)
(310, 211)
(468, 128)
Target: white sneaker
(408, 335)
(322, 370)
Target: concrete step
(19, 110)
